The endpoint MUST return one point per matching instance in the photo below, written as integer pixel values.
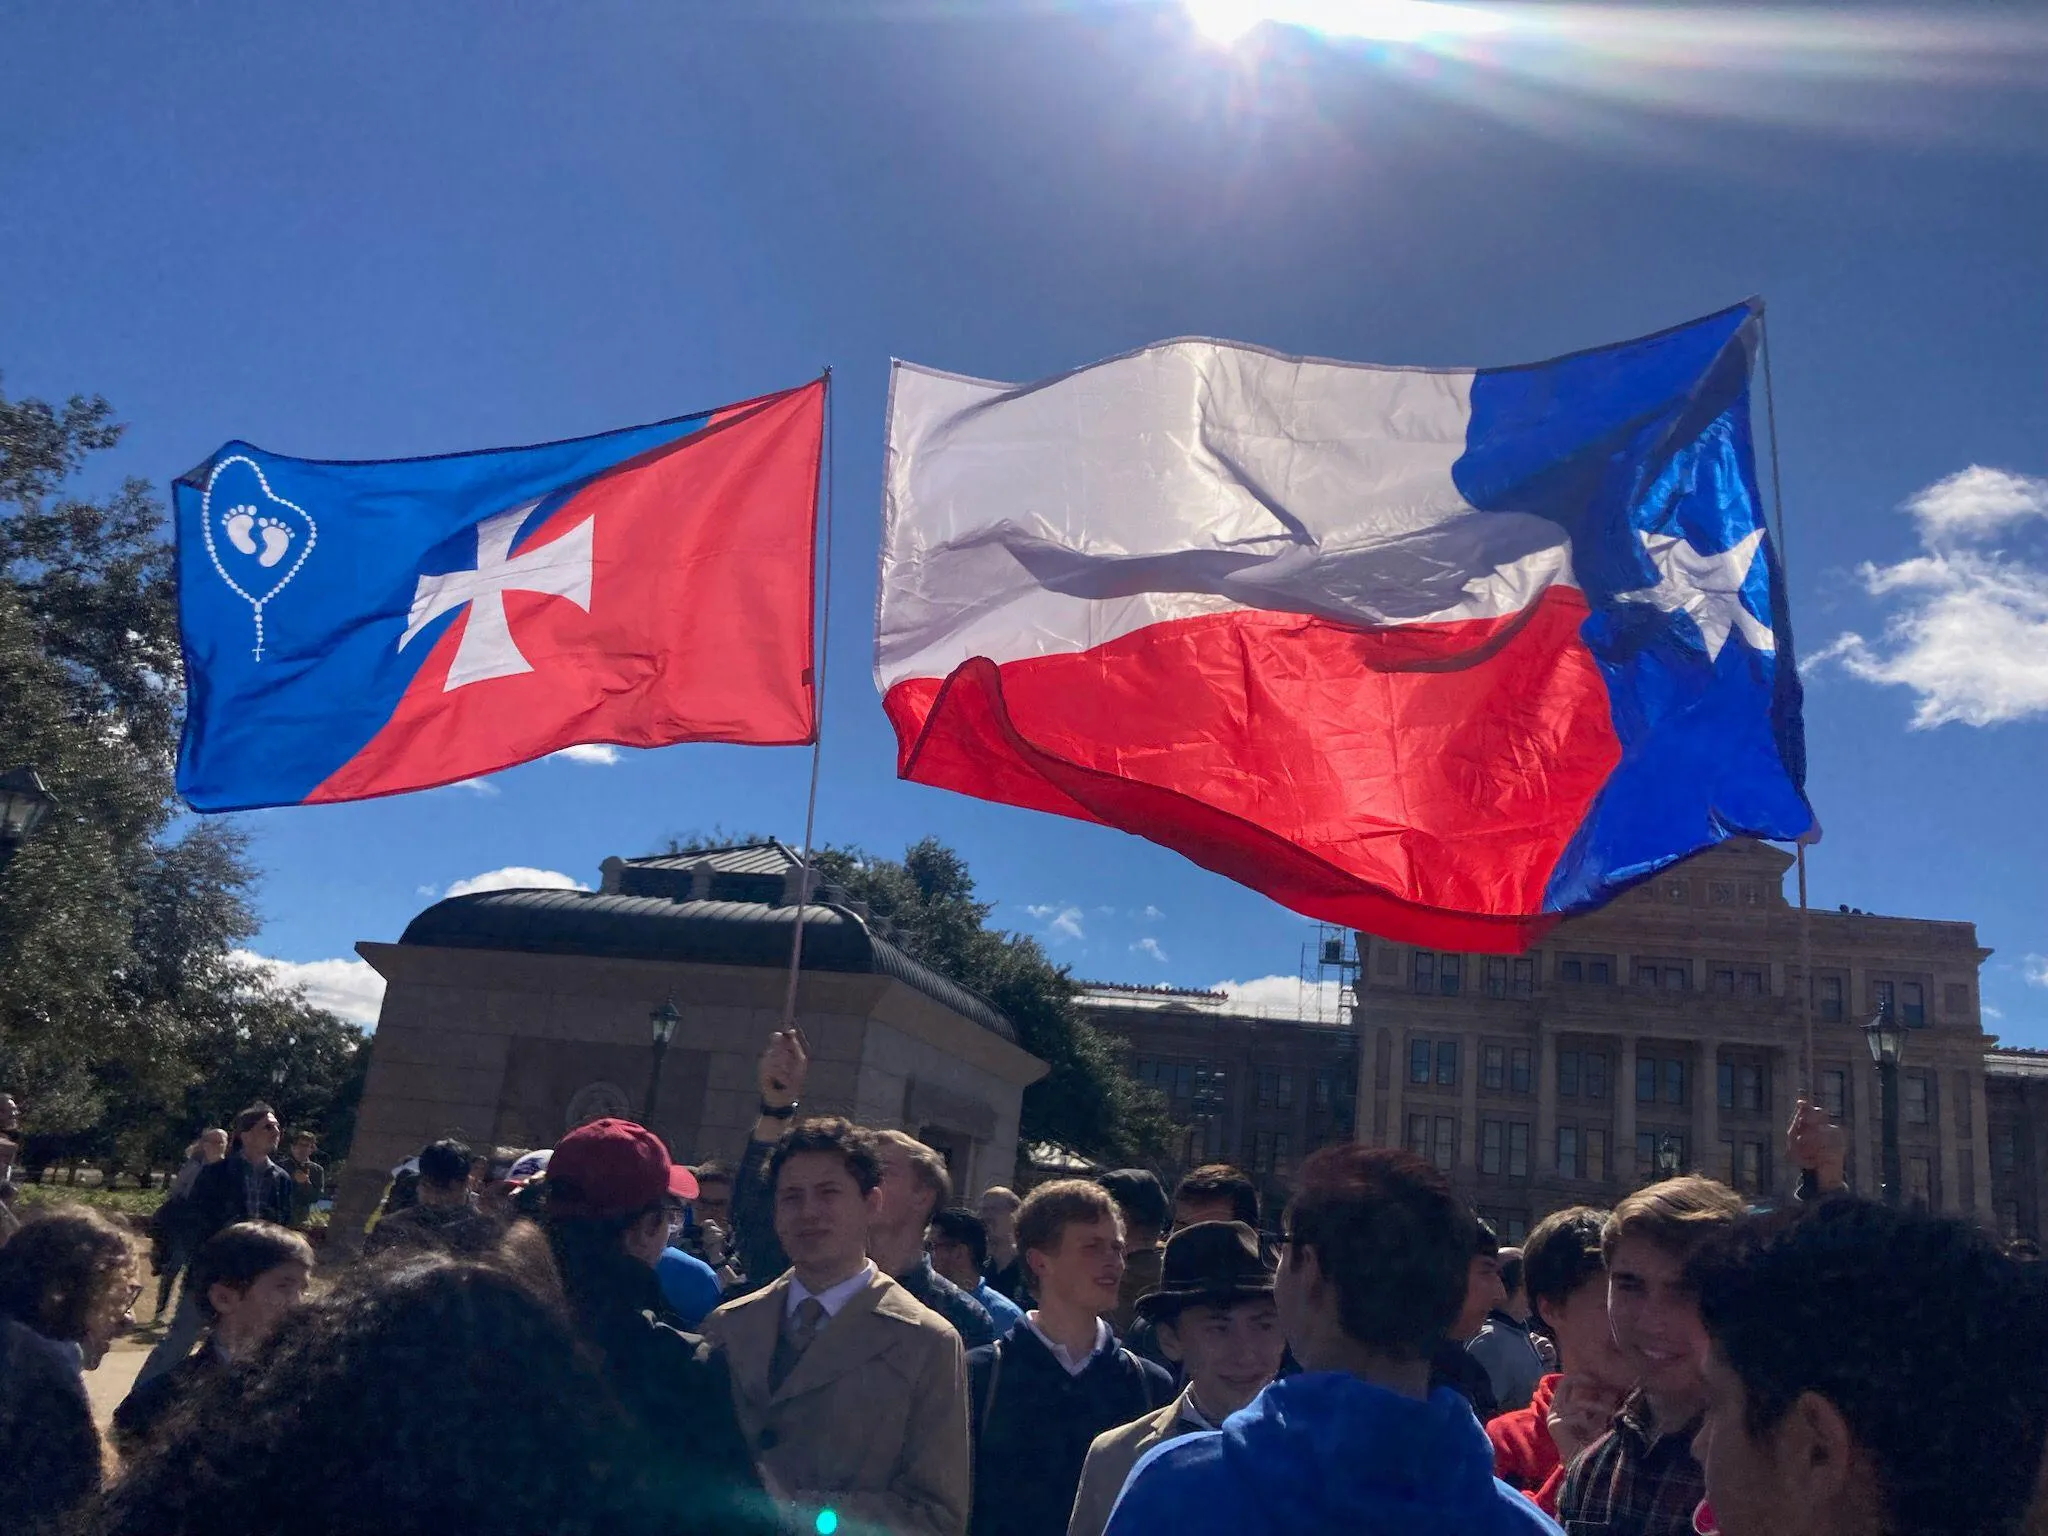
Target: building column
(1980, 1146)
(1624, 1148)
(1706, 1116)
(1546, 1100)
(1864, 1116)
(1468, 1101)
(1946, 1116)
(1397, 1077)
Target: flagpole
(1809, 1073)
(796, 939)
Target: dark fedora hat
(1209, 1263)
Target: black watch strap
(768, 1112)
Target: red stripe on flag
(1417, 782)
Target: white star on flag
(1708, 587)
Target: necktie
(797, 1335)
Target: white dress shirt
(1073, 1367)
(833, 1297)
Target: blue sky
(387, 229)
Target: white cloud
(1284, 997)
(595, 755)
(349, 989)
(516, 877)
(428, 891)
(1060, 922)
(1991, 1013)
(2035, 969)
(483, 787)
(1969, 627)
(1149, 946)
(1151, 914)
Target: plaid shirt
(1632, 1483)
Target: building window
(1568, 1074)
(1425, 970)
(1919, 1099)
(1283, 1154)
(1269, 1087)
(1724, 1085)
(1286, 1088)
(1912, 1003)
(1676, 891)
(1496, 976)
(1525, 978)
(1596, 1155)
(1594, 1071)
(1594, 970)
(1834, 1093)
(1326, 1087)
(1751, 1173)
(2005, 1149)
(1449, 971)
(1568, 1151)
(1674, 1082)
(1492, 1144)
(1920, 1181)
(1646, 1080)
(1749, 1087)
(1262, 1151)
(1418, 1135)
(1521, 1069)
(1831, 999)
(1752, 894)
(1447, 1063)
(1955, 1001)
(1518, 1149)
(1446, 1142)
(1494, 1067)
(1882, 996)
(1724, 983)
(1752, 983)
(1721, 893)
(1418, 1061)
(2009, 1218)
(1650, 1073)
(1964, 1093)
(1665, 974)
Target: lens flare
(1226, 22)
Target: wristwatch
(769, 1112)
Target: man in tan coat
(853, 1395)
(1216, 1319)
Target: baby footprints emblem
(256, 539)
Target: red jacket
(1524, 1455)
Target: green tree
(1088, 1104)
(120, 992)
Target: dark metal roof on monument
(746, 933)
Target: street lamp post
(1887, 1040)
(25, 803)
(1668, 1158)
(661, 1022)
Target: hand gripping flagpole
(796, 940)
(1808, 1075)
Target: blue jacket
(1325, 1451)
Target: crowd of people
(820, 1339)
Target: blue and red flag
(1439, 654)
(354, 629)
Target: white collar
(832, 1298)
(1103, 1339)
(1189, 1413)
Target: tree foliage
(1088, 1104)
(126, 1020)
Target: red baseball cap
(613, 1168)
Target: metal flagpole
(796, 940)
(1809, 1074)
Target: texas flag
(359, 629)
(1439, 654)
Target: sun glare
(1226, 22)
